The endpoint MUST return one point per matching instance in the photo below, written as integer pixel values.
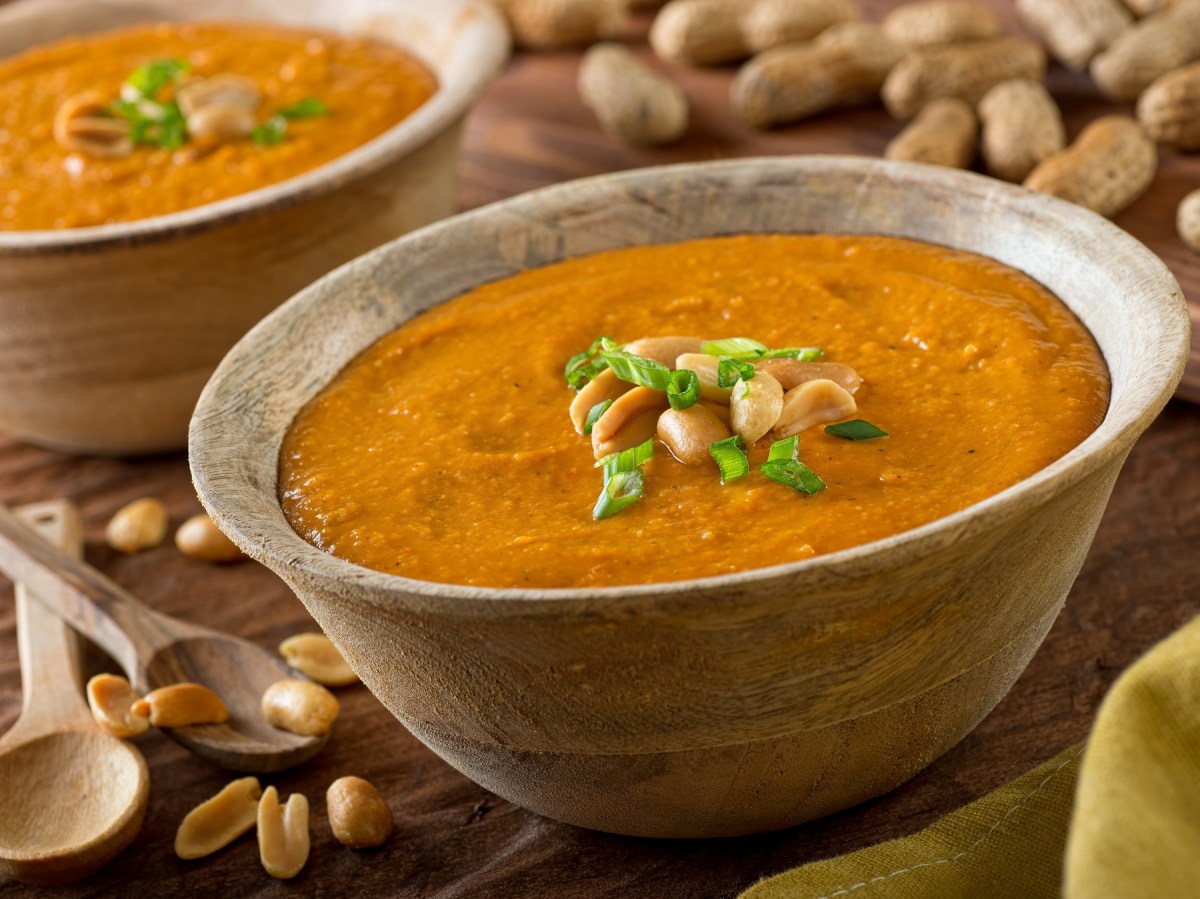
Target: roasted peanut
(1021, 127)
(234, 91)
(720, 410)
(1110, 165)
(1150, 49)
(283, 841)
(688, 433)
(966, 71)
(199, 538)
(218, 821)
(626, 407)
(1187, 220)
(605, 386)
(83, 124)
(299, 706)
(637, 430)
(664, 349)
(846, 64)
(754, 406)
(315, 656)
(812, 403)
(933, 22)
(792, 373)
(772, 23)
(1169, 109)
(945, 132)
(111, 700)
(141, 524)
(633, 103)
(358, 815)
(549, 24)
(705, 367)
(181, 705)
(220, 123)
(1075, 30)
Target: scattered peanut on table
(220, 820)
(1075, 30)
(928, 23)
(199, 538)
(1187, 220)
(182, 705)
(315, 656)
(1169, 109)
(1021, 126)
(552, 24)
(299, 706)
(112, 700)
(1156, 45)
(945, 132)
(358, 815)
(141, 524)
(283, 840)
(632, 103)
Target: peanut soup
(728, 404)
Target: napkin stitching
(842, 891)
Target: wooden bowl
(108, 334)
(725, 705)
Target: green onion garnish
(793, 473)
(308, 108)
(729, 371)
(730, 456)
(734, 347)
(627, 460)
(638, 369)
(620, 492)
(153, 121)
(683, 389)
(855, 430)
(803, 353)
(151, 78)
(594, 413)
(782, 450)
(272, 131)
(582, 367)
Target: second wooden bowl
(732, 704)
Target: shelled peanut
(847, 64)
(707, 32)
(550, 24)
(1021, 125)
(1156, 45)
(932, 22)
(945, 133)
(1187, 220)
(965, 71)
(141, 524)
(1075, 30)
(1109, 165)
(1169, 109)
(633, 103)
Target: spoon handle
(93, 604)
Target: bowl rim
(288, 554)
(482, 26)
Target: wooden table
(457, 840)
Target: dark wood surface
(455, 839)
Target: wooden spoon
(72, 795)
(156, 650)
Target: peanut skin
(1110, 165)
(934, 22)
(1075, 30)
(944, 133)
(1021, 127)
(1169, 109)
(1155, 46)
(966, 71)
(632, 103)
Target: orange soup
(445, 452)
(159, 118)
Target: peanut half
(299, 706)
(688, 433)
(111, 700)
(83, 124)
(283, 840)
(633, 103)
(1021, 127)
(1075, 30)
(812, 403)
(315, 656)
(217, 822)
(182, 705)
(664, 349)
(754, 406)
(199, 538)
(358, 815)
(793, 372)
(945, 133)
(933, 22)
(628, 408)
(706, 369)
(141, 524)
(227, 90)
(605, 386)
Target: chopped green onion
(602, 343)
(803, 353)
(638, 369)
(151, 78)
(729, 371)
(308, 108)
(272, 131)
(855, 430)
(683, 389)
(782, 450)
(730, 456)
(734, 347)
(620, 492)
(584, 366)
(793, 473)
(594, 414)
(627, 460)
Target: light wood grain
(107, 334)
(728, 705)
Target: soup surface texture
(363, 87)
(444, 452)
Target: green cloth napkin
(1134, 832)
